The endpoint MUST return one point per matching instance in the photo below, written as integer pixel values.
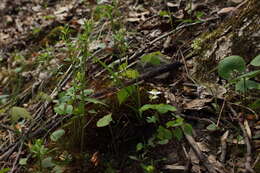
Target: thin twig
(17, 156)
(186, 68)
(179, 28)
(188, 163)
(220, 113)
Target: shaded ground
(41, 51)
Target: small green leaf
(164, 108)
(47, 162)
(23, 161)
(58, 169)
(212, 127)
(187, 129)
(161, 108)
(146, 107)
(104, 121)
(44, 97)
(88, 92)
(19, 112)
(163, 13)
(178, 133)
(178, 122)
(163, 142)
(139, 146)
(256, 61)
(124, 93)
(130, 73)
(123, 66)
(229, 65)
(69, 109)
(63, 109)
(164, 133)
(151, 119)
(149, 168)
(152, 58)
(55, 136)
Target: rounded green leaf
(139, 146)
(161, 108)
(187, 129)
(55, 136)
(124, 93)
(229, 65)
(256, 61)
(164, 108)
(47, 162)
(152, 58)
(104, 121)
(212, 127)
(178, 133)
(19, 112)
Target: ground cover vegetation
(129, 86)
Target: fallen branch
(199, 154)
(148, 75)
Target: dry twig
(199, 154)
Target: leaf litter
(23, 39)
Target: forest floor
(108, 86)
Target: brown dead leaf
(226, 10)
(217, 165)
(236, 1)
(175, 167)
(179, 14)
(251, 117)
(203, 147)
(194, 159)
(197, 104)
(172, 5)
(133, 19)
(95, 159)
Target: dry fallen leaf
(95, 159)
(197, 104)
(226, 10)
(236, 1)
(203, 147)
(248, 130)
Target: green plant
(233, 69)
(40, 152)
(148, 168)
(172, 128)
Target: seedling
(233, 69)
